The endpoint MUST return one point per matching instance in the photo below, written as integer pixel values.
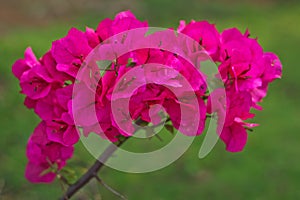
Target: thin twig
(96, 167)
(109, 188)
(84, 179)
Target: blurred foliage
(268, 168)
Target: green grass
(268, 168)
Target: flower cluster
(49, 82)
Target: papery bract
(148, 81)
(45, 156)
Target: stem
(109, 188)
(93, 170)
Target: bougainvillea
(245, 69)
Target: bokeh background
(268, 168)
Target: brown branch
(94, 169)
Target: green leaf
(69, 174)
(103, 65)
(68, 82)
(130, 63)
(47, 171)
(170, 128)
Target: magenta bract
(47, 83)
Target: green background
(268, 168)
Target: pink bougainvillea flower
(191, 120)
(123, 21)
(35, 83)
(92, 37)
(55, 105)
(70, 51)
(108, 91)
(273, 67)
(206, 34)
(61, 132)
(45, 156)
(243, 55)
(22, 65)
(34, 78)
(235, 137)
(50, 64)
(230, 114)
